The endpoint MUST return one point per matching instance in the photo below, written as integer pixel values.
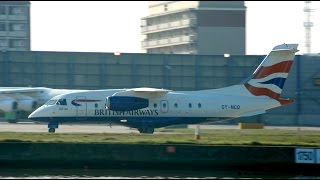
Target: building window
(17, 27)
(3, 43)
(2, 10)
(17, 43)
(2, 26)
(17, 10)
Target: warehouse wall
(80, 70)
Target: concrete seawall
(78, 155)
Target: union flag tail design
(269, 78)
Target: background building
(195, 27)
(15, 25)
(80, 70)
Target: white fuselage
(204, 105)
(148, 108)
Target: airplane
(149, 108)
(13, 99)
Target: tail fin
(269, 78)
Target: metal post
(298, 90)
(197, 132)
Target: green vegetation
(261, 137)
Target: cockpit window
(62, 102)
(51, 102)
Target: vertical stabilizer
(269, 78)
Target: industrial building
(195, 27)
(14, 25)
(83, 70)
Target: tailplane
(269, 78)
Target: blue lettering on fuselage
(147, 112)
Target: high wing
(19, 98)
(15, 90)
(143, 92)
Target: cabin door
(82, 107)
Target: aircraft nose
(32, 115)
(35, 114)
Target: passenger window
(199, 105)
(164, 105)
(155, 105)
(190, 105)
(62, 102)
(96, 105)
(175, 105)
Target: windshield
(51, 102)
(62, 102)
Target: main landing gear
(52, 126)
(146, 130)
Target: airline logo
(76, 102)
(269, 80)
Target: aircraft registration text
(234, 106)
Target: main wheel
(146, 130)
(150, 130)
(52, 130)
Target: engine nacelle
(27, 105)
(8, 105)
(125, 103)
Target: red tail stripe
(285, 101)
(262, 91)
(283, 67)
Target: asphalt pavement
(106, 128)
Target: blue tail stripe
(276, 81)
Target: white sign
(306, 155)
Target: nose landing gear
(52, 126)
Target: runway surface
(105, 128)
(64, 128)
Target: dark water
(140, 174)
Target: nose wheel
(52, 130)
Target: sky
(114, 26)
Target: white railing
(169, 41)
(169, 25)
